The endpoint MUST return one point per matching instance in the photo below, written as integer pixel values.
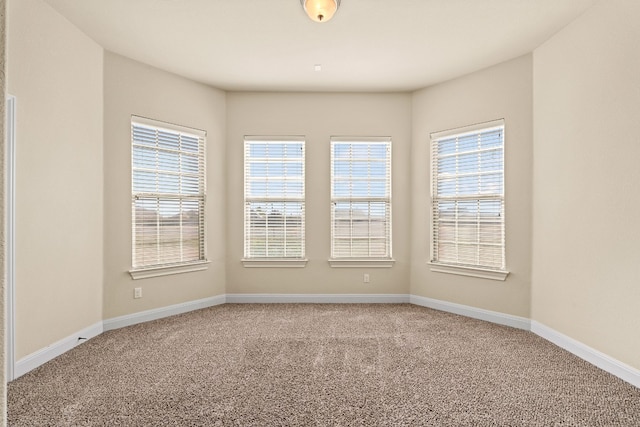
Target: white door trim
(10, 248)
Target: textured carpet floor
(320, 365)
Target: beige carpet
(320, 365)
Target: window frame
(473, 270)
(141, 270)
(363, 261)
(273, 261)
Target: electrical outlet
(366, 278)
(137, 292)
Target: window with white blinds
(274, 218)
(168, 194)
(468, 228)
(361, 198)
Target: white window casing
(274, 201)
(168, 198)
(467, 201)
(361, 202)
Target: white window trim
(166, 270)
(274, 262)
(361, 262)
(373, 262)
(470, 271)
(268, 262)
(185, 267)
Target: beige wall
(502, 91)
(133, 88)
(586, 269)
(578, 94)
(318, 116)
(55, 72)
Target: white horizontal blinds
(274, 217)
(361, 198)
(168, 189)
(468, 198)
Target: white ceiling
(369, 45)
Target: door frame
(10, 233)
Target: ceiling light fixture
(320, 10)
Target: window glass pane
(359, 188)
(359, 248)
(342, 168)
(359, 151)
(446, 146)
(467, 163)
(491, 184)
(294, 150)
(168, 183)
(490, 209)
(467, 143)
(377, 248)
(446, 209)
(378, 188)
(189, 144)
(378, 151)
(293, 169)
(258, 169)
(168, 139)
(144, 157)
(189, 185)
(144, 182)
(342, 189)
(491, 139)
(189, 164)
(377, 169)
(491, 161)
(168, 161)
(144, 136)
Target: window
(274, 219)
(468, 228)
(360, 201)
(168, 198)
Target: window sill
(145, 273)
(362, 262)
(469, 271)
(274, 262)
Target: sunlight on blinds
(168, 194)
(360, 198)
(274, 192)
(468, 197)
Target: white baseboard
(318, 298)
(591, 355)
(159, 313)
(595, 357)
(54, 350)
(473, 312)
